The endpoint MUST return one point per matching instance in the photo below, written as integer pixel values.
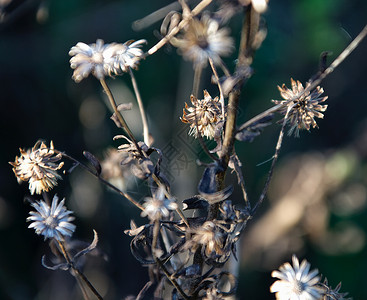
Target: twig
(221, 96)
(141, 108)
(77, 271)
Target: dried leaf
(196, 202)
(91, 247)
(63, 266)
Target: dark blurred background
(317, 202)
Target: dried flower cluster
(304, 105)
(203, 116)
(39, 167)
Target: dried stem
(197, 76)
(141, 108)
(275, 159)
(221, 96)
(181, 25)
(118, 114)
(78, 272)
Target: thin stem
(181, 25)
(141, 108)
(197, 76)
(127, 196)
(77, 271)
(275, 159)
(221, 98)
(156, 230)
(118, 114)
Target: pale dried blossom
(121, 57)
(203, 116)
(51, 222)
(104, 59)
(158, 206)
(228, 8)
(296, 282)
(202, 39)
(209, 236)
(303, 106)
(39, 167)
(87, 59)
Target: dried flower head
(209, 236)
(158, 206)
(203, 116)
(39, 167)
(88, 59)
(51, 222)
(121, 57)
(202, 39)
(304, 107)
(228, 8)
(297, 282)
(333, 294)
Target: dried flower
(158, 206)
(203, 116)
(210, 236)
(304, 107)
(228, 8)
(121, 57)
(88, 59)
(333, 294)
(296, 283)
(51, 222)
(202, 39)
(39, 167)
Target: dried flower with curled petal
(202, 39)
(296, 282)
(39, 167)
(121, 57)
(304, 107)
(158, 206)
(51, 222)
(203, 116)
(209, 236)
(88, 59)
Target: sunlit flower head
(39, 167)
(121, 57)
(296, 282)
(51, 222)
(304, 107)
(202, 39)
(209, 236)
(158, 206)
(87, 59)
(203, 116)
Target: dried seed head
(296, 282)
(202, 39)
(203, 116)
(39, 167)
(210, 236)
(158, 206)
(51, 222)
(304, 107)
